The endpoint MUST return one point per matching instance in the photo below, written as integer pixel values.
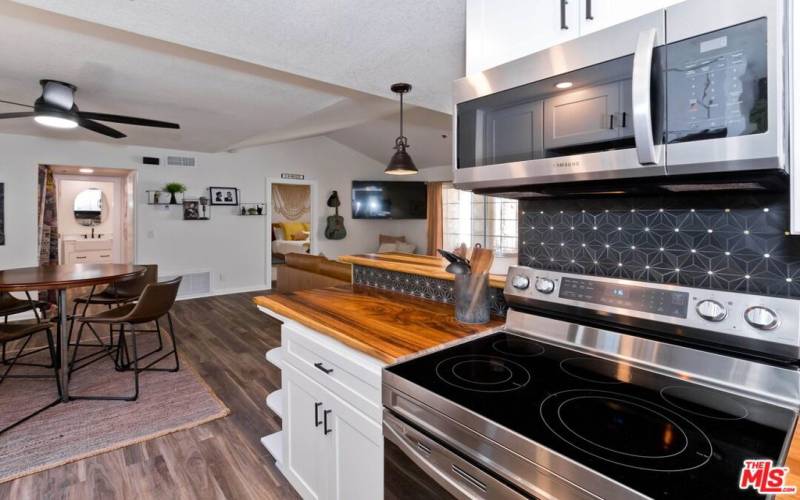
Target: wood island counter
(379, 323)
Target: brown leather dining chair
(23, 332)
(155, 302)
(118, 293)
(9, 306)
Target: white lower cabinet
(332, 435)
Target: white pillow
(387, 247)
(405, 247)
(279, 233)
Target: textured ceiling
(360, 44)
(221, 103)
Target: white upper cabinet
(600, 14)
(499, 31)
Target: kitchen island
(334, 344)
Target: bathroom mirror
(90, 207)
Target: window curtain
(291, 201)
(435, 222)
(48, 223)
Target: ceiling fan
(56, 108)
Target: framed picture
(191, 210)
(224, 195)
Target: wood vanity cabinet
(332, 437)
(97, 251)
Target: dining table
(61, 278)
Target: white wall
(232, 247)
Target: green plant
(175, 187)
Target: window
(471, 218)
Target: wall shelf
(250, 209)
(163, 198)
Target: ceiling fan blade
(99, 128)
(130, 120)
(16, 104)
(21, 114)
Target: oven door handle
(394, 435)
(642, 99)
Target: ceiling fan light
(55, 121)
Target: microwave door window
(717, 84)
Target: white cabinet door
(499, 31)
(356, 453)
(600, 14)
(305, 462)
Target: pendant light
(401, 162)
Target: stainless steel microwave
(696, 88)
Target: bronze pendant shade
(401, 162)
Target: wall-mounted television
(389, 200)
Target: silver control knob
(762, 318)
(545, 285)
(711, 310)
(520, 282)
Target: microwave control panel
(716, 84)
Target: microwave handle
(642, 108)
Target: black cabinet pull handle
(317, 421)
(624, 119)
(564, 15)
(327, 371)
(325, 428)
(589, 16)
(611, 121)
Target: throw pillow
(387, 247)
(385, 238)
(406, 247)
(300, 236)
(279, 234)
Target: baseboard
(227, 291)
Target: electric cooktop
(659, 435)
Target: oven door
(415, 465)
(725, 86)
(591, 108)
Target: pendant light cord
(401, 116)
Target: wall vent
(193, 284)
(181, 161)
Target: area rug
(168, 402)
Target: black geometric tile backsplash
(420, 286)
(734, 242)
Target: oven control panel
(755, 317)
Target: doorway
(292, 224)
(95, 214)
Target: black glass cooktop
(658, 435)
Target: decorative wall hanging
(224, 196)
(292, 201)
(194, 210)
(2, 214)
(335, 229)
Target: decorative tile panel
(420, 286)
(733, 242)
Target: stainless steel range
(598, 388)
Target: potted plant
(172, 188)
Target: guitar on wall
(335, 228)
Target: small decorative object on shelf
(157, 198)
(174, 188)
(204, 205)
(224, 195)
(252, 209)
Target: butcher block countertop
(385, 325)
(421, 265)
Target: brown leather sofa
(304, 271)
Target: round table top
(55, 277)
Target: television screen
(389, 200)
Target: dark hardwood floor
(225, 339)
